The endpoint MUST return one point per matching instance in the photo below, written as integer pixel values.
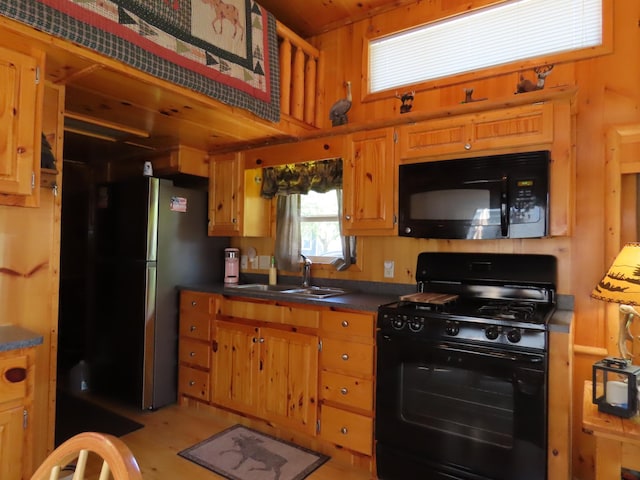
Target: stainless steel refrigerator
(151, 236)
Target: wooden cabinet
(16, 391)
(182, 159)
(269, 372)
(369, 179)
(347, 361)
(235, 206)
(20, 126)
(493, 129)
(197, 312)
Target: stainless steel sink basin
(291, 290)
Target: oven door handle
(494, 354)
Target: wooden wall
(608, 95)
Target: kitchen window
(499, 35)
(308, 205)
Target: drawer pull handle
(345, 324)
(345, 356)
(344, 430)
(192, 383)
(15, 374)
(192, 354)
(192, 328)
(194, 303)
(344, 391)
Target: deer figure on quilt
(226, 11)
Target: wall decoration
(407, 101)
(468, 96)
(526, 85)
(338, 112)
(226, 49)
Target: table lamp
(621, 284)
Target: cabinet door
(369, 175)
(19, 123)
(235, 366)
(434, 137)
(11, 443)
(225, 195)
(289, 379)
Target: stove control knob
(514, 335)
(491, 332)
(416, 324)
(452, 328)
(398, 322)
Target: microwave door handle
(504, 207)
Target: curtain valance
(299, 178)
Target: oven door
(449, 411)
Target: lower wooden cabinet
(197, 313)
(16, 391)
(347, 379)
(268, 372)
(296, 367)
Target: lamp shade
(621, 283)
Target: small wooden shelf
(617, 439)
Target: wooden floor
(174, 428)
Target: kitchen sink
(291, 290)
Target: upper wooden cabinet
(182, 159)
(20, 126)
(489, 130)
(369, 179)
(235, 206)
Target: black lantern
(615, 386)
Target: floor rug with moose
(240, 453)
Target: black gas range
(501, 300)
(461, 385)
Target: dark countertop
(355, 300)
(13, 337)
(368, 296)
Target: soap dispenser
(273, 272)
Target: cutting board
(427, 297)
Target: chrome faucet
(306, 271)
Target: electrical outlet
(388, 268)
(244, 262)
(263, 262)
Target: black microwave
(498, 196)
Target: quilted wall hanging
(226, 49)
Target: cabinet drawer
(349, 391)
(349, 324)
(195, 326)
(348, 357)
(347, 429)
(13, 378)
(194, 383)
(194, 353)
(195, 302)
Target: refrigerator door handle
(149, 338)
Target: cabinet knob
(344, 391)
(192, 354)
(192, 383)
(254, 340)
(347, 217)
(192, 328)
(467, 146)
(344, 430)
(234, 220)
(261, 340)
(193, 303)
(345, 356)
(345, 324)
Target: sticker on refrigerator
(178, 204)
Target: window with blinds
(493, 36)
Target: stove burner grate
(509, 310)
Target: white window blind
(493, 36)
